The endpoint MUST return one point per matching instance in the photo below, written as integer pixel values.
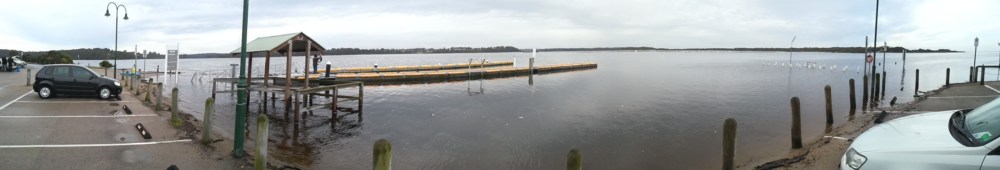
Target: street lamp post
(107, 13)
(241, 99)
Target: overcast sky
(214, 26)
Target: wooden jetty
(443, 74)
(296, 94)
(415, 68)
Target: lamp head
(107, 13)
(126, 16)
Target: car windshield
(978, 121)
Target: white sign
(172, 58)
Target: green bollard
(796, 124)
(829, 105)
(854, 100)
(382, 152)
(575, 161)
(728, 143)
(174, 119)
(206, 133)
(159, 96)
(260, 158)
(149, 87)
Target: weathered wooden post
(972, 74)
(361, 97)
(728, 144)
(864, 94)
(854, 102)
(206, 134)
(174, 119)
(575, 161)
(159, 96)
(531, 71)
(982, 75)
(297, 105)
(916, 83)
(28, 78)
(796, 124)
(875, 97)
(382, 153)
(328, 79)
(149, 87)
(829, 105)
(947, 77)
(260, 158)
(333, 106)
(883, 75)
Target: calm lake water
(637, 110)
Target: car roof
(63, 65)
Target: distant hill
(82, 54)
(830, 49)
(803, 49)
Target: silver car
(957, 139)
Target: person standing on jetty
(316, 60)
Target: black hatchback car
(73, 79)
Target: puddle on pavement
(134, 156)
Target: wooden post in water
(382, 155)
(361, 97)
(333, 106)
(728, 144)
(206, 133)
(796, 124)
(260, 157)
(947, 77)
(531, 71)
(829, 105)
(916, 84)
(864, 95)
(854, 102)
(288, 77)
(575, 161)
(297, 105)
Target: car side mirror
(92, 77)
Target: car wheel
(104, 93)
(45, 92)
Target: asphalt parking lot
(84, 132)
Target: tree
(106, 64)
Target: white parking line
(80, 116)
(93, 145)
(991, 88)
(836, 137)
(18, 98)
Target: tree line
(83, 54)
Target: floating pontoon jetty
(438, 72)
